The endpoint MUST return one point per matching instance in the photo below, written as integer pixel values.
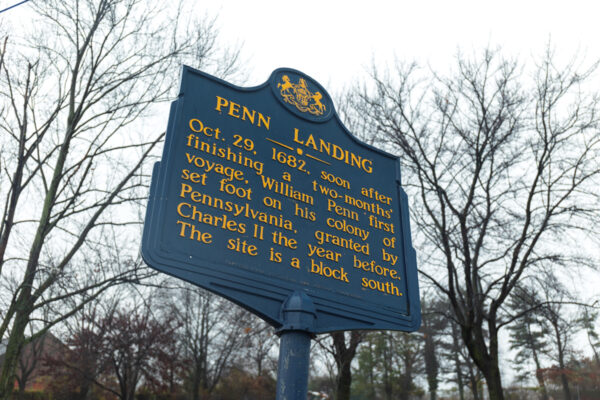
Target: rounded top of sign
(301, 95)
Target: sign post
(263, 197)
(299, 316)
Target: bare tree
(84, 363)
(74, 147)
(116, 341)
(562, 325)
(259, 346)
(213, 335)
(134, 341)
(342, 347)
(434, 323)
(503, 174)
(550, 318)
(389, 363)
(30, 363)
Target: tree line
(177, 341)
(500, 159)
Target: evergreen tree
(528, 338)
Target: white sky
(335, 41)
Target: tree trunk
(195, 385)
(85, 390)
(343, 359)
(459, 379)
(16, 340)
(21, 395)
(371, 368)
(561, 363)
(22, 383)
(563, 379)
(24, 302)
(494, 383)
(540, 378)
(538, 368)
(387, 367)
(344, 382)
(457, 363)
(431, 364)
(474, 382)
(486, 359)
(405, 382)
(565, 385)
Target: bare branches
(501, 168)
(74, 104)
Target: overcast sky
(334, 41)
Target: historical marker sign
(262, 192)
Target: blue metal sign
(262, 192)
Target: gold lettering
(335, 179)
(266, 122)
(339, 210)
(377, 224)
(324, 237)
(242, 246)
(304, 212)
(221, 102)
(282, 240)
(247, 114)
(334, 151)
(323, 253)
(328, 272)
(274, 256)
(344, 226)
(230, 189)
(193, 233)
(234, 109)
(374, 194)
(373, 267)
(387, 287)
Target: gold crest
(297, 94)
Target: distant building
(31, 373)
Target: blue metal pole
(299, 317)
(292, 371)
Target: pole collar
(298, 313)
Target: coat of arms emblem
(298, 94)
